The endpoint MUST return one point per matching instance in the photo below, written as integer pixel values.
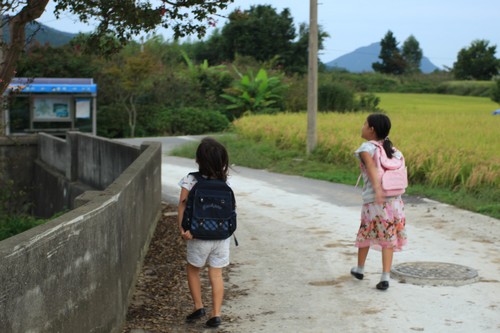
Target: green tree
(477, 62)
(295, 60)
(132, 77)
(412, 55)
(392, 60)
(121, 20)
(259, 32)
(63, 61)
(210, 50)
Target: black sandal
(196, 315)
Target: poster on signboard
(83, 108)
(51, 108)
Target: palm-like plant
(255, 94)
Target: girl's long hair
(382, 126)
(212, 159)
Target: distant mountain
(42, 34)
(360, 60)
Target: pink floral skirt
(383, 226)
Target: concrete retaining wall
(77, 272)
(67, 168)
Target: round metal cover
(434, 273)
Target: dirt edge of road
(161, 298)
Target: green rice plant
(448, 141)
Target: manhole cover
(434, 273)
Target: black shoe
(383, 285)
(196, 315)
(214, 322)
(357, 275)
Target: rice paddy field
(448, 141)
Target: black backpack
(210, 209)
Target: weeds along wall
(76, 273)
(17, 161)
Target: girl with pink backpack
(382, 214)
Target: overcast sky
(442, 27)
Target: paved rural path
(296, 249)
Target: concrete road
(296, 248)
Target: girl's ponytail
(388, 147)
(382, 126)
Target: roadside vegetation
(15, 209)
(254, 86)
(449, 142)
(262, 155)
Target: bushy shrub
(363, 82)
(369, 103)
(495, 91)
(334, 96)
(183, 121)
(13, 225)
(466, 88)
(14, 210)
(295, 99)
(111, 121)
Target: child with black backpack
(382, 215)
(207, 218)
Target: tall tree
(477, 62)
(296, 59)
(133, 75)
(263, 34)
(49, 61)
(412, 55)
(122, 20)
(259, 32)
(392, 60)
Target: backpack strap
(377, 153)
(197, 175)
(376, 158)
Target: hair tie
(386, 138)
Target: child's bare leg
(362, 254)
(194, 282)
(387, 259)
(217, 283)
(358, 271)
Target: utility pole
(3, 112)
(312, 77)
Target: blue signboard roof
(53, 86)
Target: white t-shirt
(368, 194)
(188, 182)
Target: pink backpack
(392, 172)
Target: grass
(293, 162)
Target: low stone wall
(76, 273)
(67, 168)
